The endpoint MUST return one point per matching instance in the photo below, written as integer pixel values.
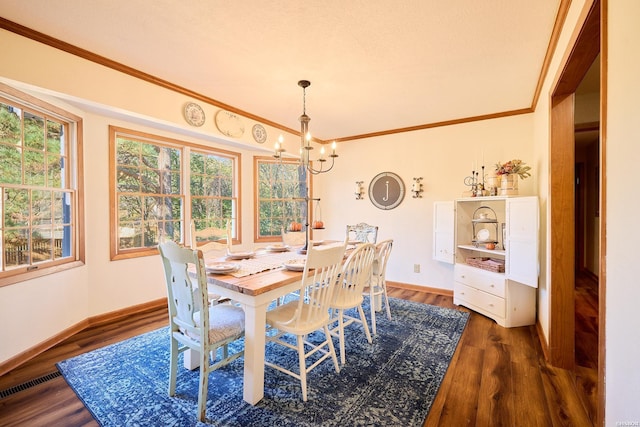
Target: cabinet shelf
(484, 250)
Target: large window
(280, 190)
(161, 184)
(38, 206)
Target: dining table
(255, 291)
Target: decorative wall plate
(229, 124)
(259, 133)
(194, 114)
(386, 190)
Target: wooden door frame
(588, 42)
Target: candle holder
(359, 190)
(416, 188)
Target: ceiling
(374, 65)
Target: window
(160, 184)
(38, 206)
(281, 187)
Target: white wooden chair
(308, 313)
(215, 246)
(362, 232)
(356, 273)
(378, 284)
(193, 323)
(293, 238)
(214, 241)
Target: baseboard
(418, 288)
(32, 352)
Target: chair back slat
(362, 232)
(320, 272)
(383, 251)
(355, 275)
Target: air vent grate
(32, 383)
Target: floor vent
(24, 386)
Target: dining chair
(355, 274)
(215, 241)
(215, 246)
(362, 232)
(293, 238)
(193, 323)
(378, 284)
(308, 313)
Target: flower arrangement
(515, 166)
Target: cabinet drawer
(493, 283)
(480, 299)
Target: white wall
(623, 269)
(443, 157)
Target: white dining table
(255, 292)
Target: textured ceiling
(374, 65)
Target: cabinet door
(443, 231)
(522, 240)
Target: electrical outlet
(416, 268)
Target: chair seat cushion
(225, 321)
(282, 314)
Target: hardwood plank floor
(497, 377)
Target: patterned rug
(391, 382)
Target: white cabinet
(496, 257)
(443, 224)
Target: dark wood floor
(498, 377)
(586, 295)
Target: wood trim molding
(32, 352)
(109, 63)
(411, 287)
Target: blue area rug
(391, 382)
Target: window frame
(185, 148)
(257, 161)
(73, 126)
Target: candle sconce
(416, 188)
(359, 190)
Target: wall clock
(386, 190)
(229, 124)
(194, 114)
(259, 133)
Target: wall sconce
(359, 190)
(416, 188)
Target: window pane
(55, 137)
(16, 247)
(10, 125)
(41, 204)
(33, 131)
(150, 181)
(129, 208)
(128, 179)
(128, 152)
(34, 167)
(16, 208)
(54, 170)
(11, 164)
(41, 247)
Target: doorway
(566, 197)
(587, 233)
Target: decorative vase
(509, 184)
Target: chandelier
(305, 140)
(305, 160)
